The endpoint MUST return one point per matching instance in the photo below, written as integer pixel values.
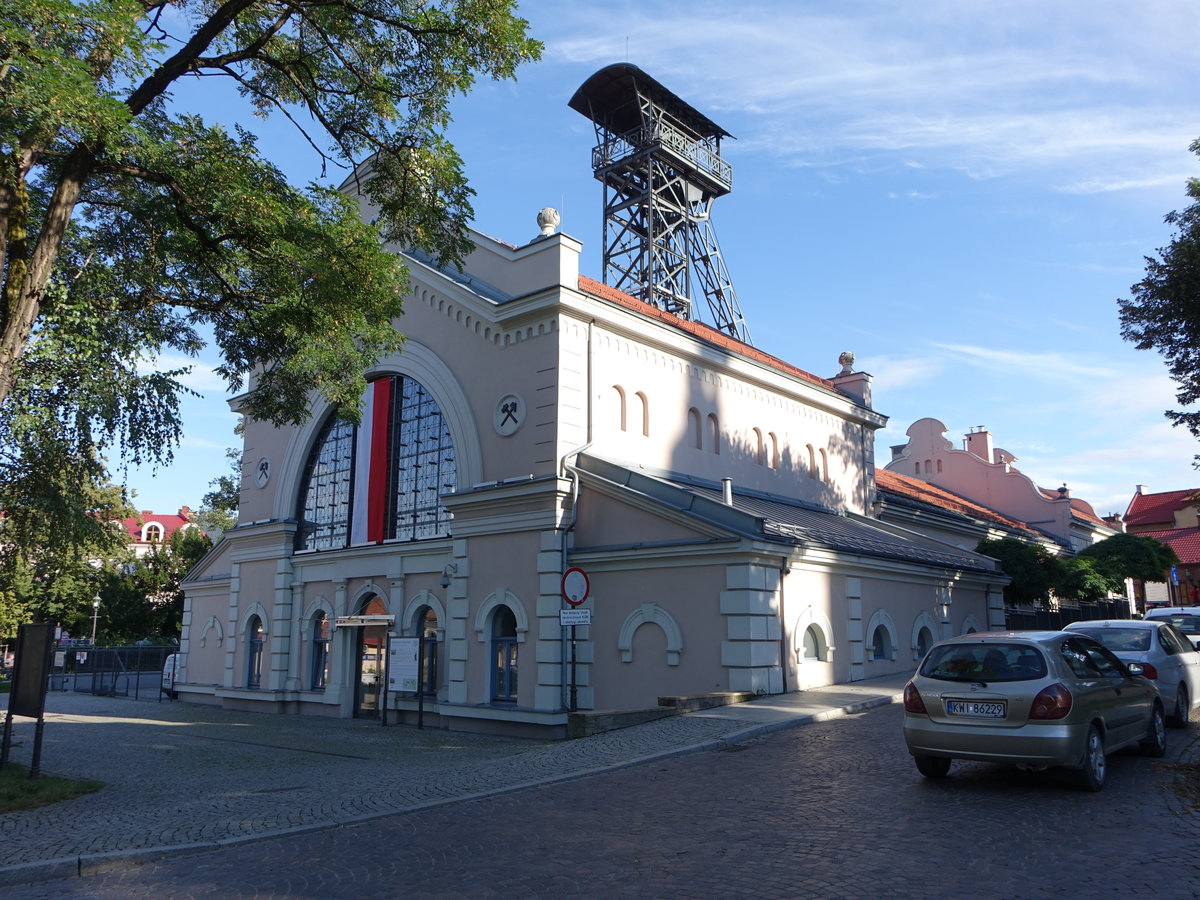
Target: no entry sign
(575, 586)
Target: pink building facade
(720, 502)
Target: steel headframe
(660, 164)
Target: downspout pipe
(570, 471)
(784, 655)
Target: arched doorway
(371, 658)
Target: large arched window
(325, 500)
(382, 480)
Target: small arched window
(645, 413)
(714, 433)
(815, 647)
(622, 407)
(881, 644)
(760, 447)
(255, 636)
(153, 533)
(824, 465)
(773, 461)
(924, 642)
(504, 655)
(427, 631)
(697, 436)
(320, 651)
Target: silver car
(1034, 698)
(1167, 657)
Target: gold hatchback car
(1034, 698)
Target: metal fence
(112, 671)
(1025, 619)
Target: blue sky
(957, 192)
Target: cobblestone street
(833, 809)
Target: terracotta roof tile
(916, 489)
(1184, 541)
(697, 329)
(1155, 509)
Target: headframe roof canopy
(610, 99)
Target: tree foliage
(143, 600)
(1164, 311)
(1083, 579)
(1033, 570)
(1136, 556)
(219, 507)
(130, 228)
(65, 540)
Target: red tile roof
(916, 489)
(1159, 509)
(697, 329)
(1184, 541)
(171, 522)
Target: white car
(1185, 618)
(1169, 658)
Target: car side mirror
(1135, 668)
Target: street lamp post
(95, 616)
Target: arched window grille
(418, 464)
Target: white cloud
(200, 376)
(1092, 94)
(1015, 362)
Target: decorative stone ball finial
(846, 360)
(548, 220)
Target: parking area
(835, 809)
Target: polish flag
(371, 465)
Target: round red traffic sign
(575, 585)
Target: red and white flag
(371, 458)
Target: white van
(170, 669)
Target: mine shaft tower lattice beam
(660, 164)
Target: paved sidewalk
(181, 778)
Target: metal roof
(846, 533)
(610, 99)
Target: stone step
(693, 702)
(596, 721)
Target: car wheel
(1094, 766)
(932, 766)
(1155, 743)
(1183, 708)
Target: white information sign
(403, 665)
(574, 617)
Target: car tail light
(1053, 702)
(912, 700)
(1149, 671)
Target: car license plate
(977, 709)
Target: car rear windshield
(1185, 623)
(984, 662)
(1118, 639)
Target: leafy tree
(1164, 312)
(1136, 556)
(143, 600)
(1083, 579)
(130, 228)
(219, 508)
(1034, 572)
(52, 571)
